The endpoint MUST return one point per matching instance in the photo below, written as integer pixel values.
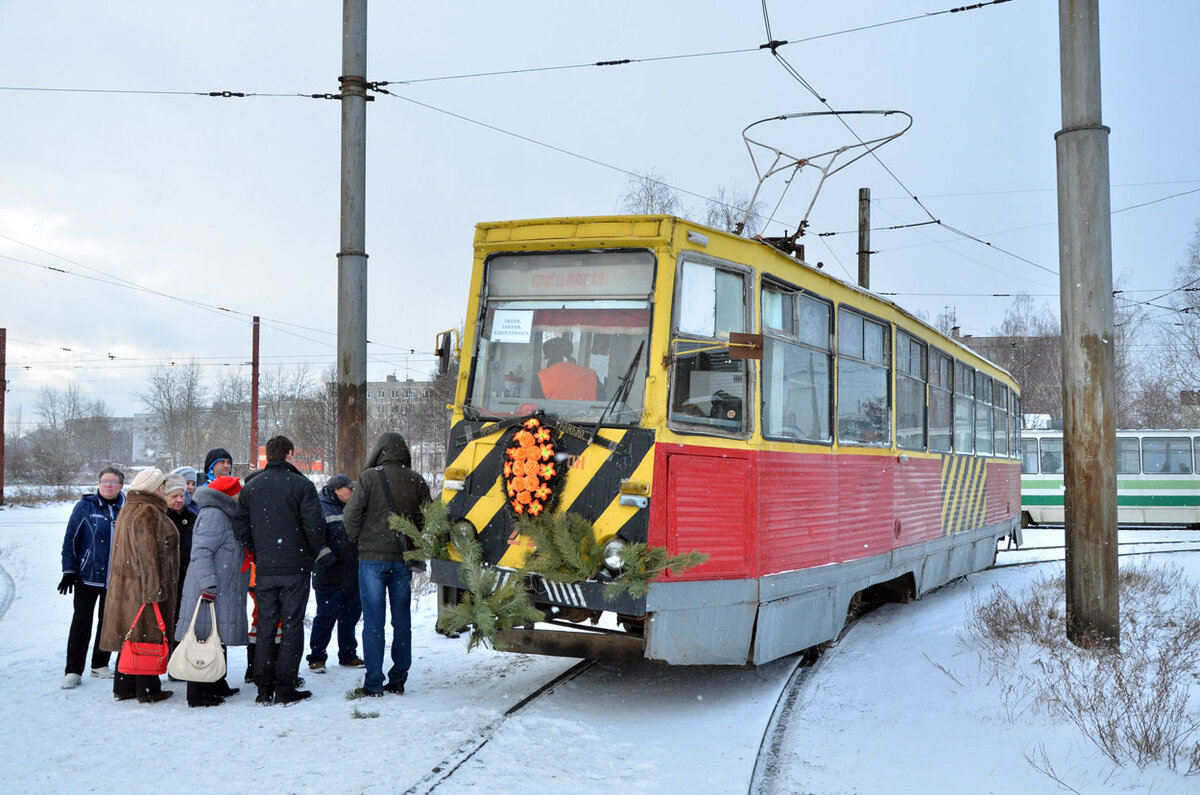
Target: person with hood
(85, 555)
(335, 581)
(387, 485)
(279, 520)
(217, 463)
(144, 571)
(216, 575)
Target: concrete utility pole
(352, 257)
(253, 461)
(1085, 287)
(864, 238)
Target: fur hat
(226, 484)
(174, 483)
(340, 481)
(187, 473)
(148, 480)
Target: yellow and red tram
(708, 392)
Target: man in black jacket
(384, 579)
(279, 519)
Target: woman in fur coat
(144, 571)
(218, 573)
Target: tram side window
(1129, 458)
(1015, 417)
(964, 408)
(1000, 417)
(862, 391)
(1166, 455)
(796, 366)
(910, 392)
(1029, 457)
(941, 388)
(709, 389)
(1052, 456)
(983, 413)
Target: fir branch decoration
(643, 563)
(488, 606)
(567, 549)
(432, 539)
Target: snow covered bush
(1134, 702)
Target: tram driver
(562, 378)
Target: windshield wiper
(621, 395)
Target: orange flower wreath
(530, 472)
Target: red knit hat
(226, 484)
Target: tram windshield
(565, 333)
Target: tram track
(447, 767)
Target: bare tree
(726, 210)
(56, 453)
(175, 397)
(1032, 353)
(1180, 337)
(229, 420)
(649, 194)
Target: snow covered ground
(900, 705)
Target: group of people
(146, 560)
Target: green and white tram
(1157, 480)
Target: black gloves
(325, 559)
(67, 584)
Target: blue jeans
(375, 579)
(342, 608)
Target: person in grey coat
(217, 573)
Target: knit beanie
(148, 480)
(187, 473)
(174, 483)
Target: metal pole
(253, 461)
(864, 238)
(1085, 287)
(352, 257)
(3, 390)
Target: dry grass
(1132, 702)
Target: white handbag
(196, 660)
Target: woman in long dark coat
(144, 571)
(218, 572)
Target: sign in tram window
(1166, 455)
(1052, 456)
(796, 376)
(1029, 456)
(862, 391)
(1129, 458)
(941, 416)
(910, 392)
(709, 389)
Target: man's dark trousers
(281, 598)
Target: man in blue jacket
(85, 556)
(335, 581)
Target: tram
(1157, 480)
(817, 442)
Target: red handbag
(141, 658)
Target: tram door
(710, 508)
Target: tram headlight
(612, 555)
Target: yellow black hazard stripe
(964, 492)
(594, 473)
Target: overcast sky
(233, 202)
